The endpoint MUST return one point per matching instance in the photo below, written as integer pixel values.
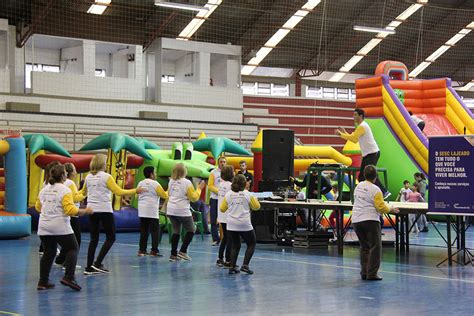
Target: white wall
(72, 60)
(43, 56)
(122, 109)
(219, 70)
(4, 80)
(3, 48)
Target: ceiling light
(408, 12)
(422, 66)
(198, 20)
(99, 7)
(311, 4)
(181, 6)
(351, 63)
(247, 70)
(373, 29)
(277, 37)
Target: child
(148, 211)
(414, 196)
(402, 195)
(237, 203)
(55, 203)
(99, 187)
(180, 193)
(77, 197)
(227, 175)
(421, 181)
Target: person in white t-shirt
(368, 205)
(368, 146)
(180, 192)
(227, 175)
(98, 187)
(77, 197)
(237, 203)
(148, 211)
(213, 186)
(55, 204)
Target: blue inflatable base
(12, 227)
(126, 220)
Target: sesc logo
(460, 207)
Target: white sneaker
(184, 256)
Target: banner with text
(451, 174)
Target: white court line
(325, 265)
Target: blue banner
(451, 174)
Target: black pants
(370, 159)
(147, 226)
(177, 222)
(249, 238)
(76, 227)
(225, 244)
(108, 223)
(68, 244)
(214, 227)
(370, 240)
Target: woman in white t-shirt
(77, 197)
(99, 186)
(148, 211)
(227, 175)
(237, 204)
(55, 204)
(180, 193)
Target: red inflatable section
(82, 161)
(436, 124)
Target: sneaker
(100, 268)
(228, 265)
(386, 195)
(215, 243)
(425, 230)
(90, 271)
(220, 263)
(184, 256)
(246, 270)
(174, 258)
(44, 286)
(40, 253)
(71, 283)
(233, 271)
(154, 253)
(142, 254)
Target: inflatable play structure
(14, 220)
(388, 96)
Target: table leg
(397, 233)
(448, 237)
(340, 231)
(407, 233)
(402, 233)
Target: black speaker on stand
(277, 167)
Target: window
(329, 93)
(37, 67)
(100, 72)
(314, 92)
(342, 94)
(249, 88)
(167, 78)
(264, 88)
(282, 90)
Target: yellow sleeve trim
(38, 205)
(380, 203)
(161, 193)
(354, 136)
(224, 205)
(112, 185)
(211, 185)
(77, 196)
(193, 195)
(254, 203)
(68, 205)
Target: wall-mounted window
(37, 67)
(167, 78)
(261, 88)
(331, 93)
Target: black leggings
(370, 159)
(147, 226)
(225, 244)
(68, 244)
(76, 227)
(188, 224)
(108, 223)
(249, 238)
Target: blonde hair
(98, 163)
(179, 171)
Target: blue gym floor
(286, 281)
